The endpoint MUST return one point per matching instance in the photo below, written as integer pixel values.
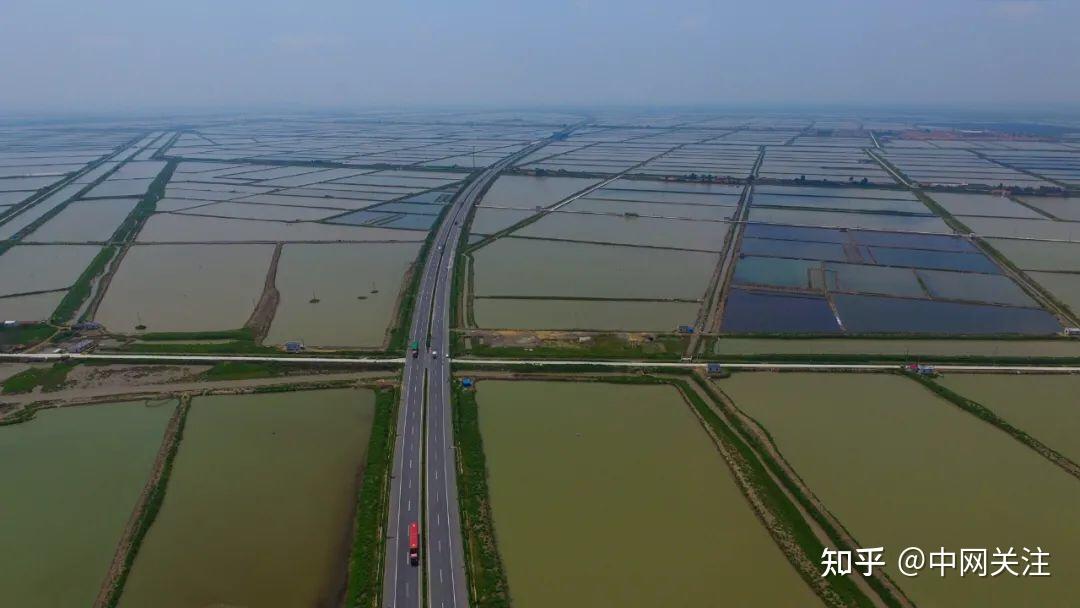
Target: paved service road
(428, 475)
(625, 363)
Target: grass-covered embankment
(241, 370)
(146, 206)
(83, 286)
(229, 341)
(146, 511)
(598, 346)
(365, 562)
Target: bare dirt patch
(120, 377)
(263, 315)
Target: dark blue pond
(914, 241)
(403, 207)
(809, 250)
(362, 218)
(773, 231)
(436, 197)
(873, 314)
(411, 221)
(757, 312)
(935, 260)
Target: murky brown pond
(339, 275)
(648, 513)
(901, 467)
(259, 507)
(185, 287)
(1045, 407)
(71, 478)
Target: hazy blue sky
(102, 54)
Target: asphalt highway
(424, 465)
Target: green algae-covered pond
(70, 480)
(614, 495)
(259, 507)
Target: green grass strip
(149, 512)
(604, 346)
(484, 569)
(78, 293)
(48, 378)
(25, 334)
(225, 334)
(242, 370)
(365, 564)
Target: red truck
(414, 544)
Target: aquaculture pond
(901, 467)
(759, 312)
(1065, 287)
(1046, 407)
(185, 287)
(1040, 255)
(678, 234)
(527, 192)
(873, 314)
(664, 210)
(356, 286)
(488, 220)
(614, 315)
(837, 219)
(71, 479)
(259, 507)
(37, 307)
(731, 345)
(630, 465)
(982, 204)
(30, 268)
(178, 228)
(534, 267)
(84, 221)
